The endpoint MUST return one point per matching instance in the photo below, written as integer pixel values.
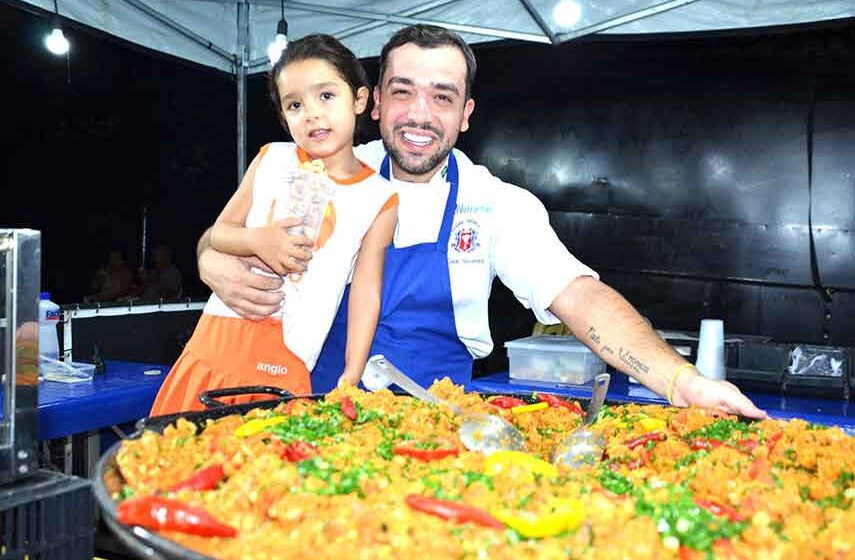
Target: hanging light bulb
(567, 13)
(56, 41)
(280, 43)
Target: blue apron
(416, 330)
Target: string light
(280, 43)
(567, 13)
(56, 42)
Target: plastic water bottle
(48, 321)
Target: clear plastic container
(553, 359)
(61, 372)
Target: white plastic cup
(710, 360)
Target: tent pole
(624, 19)
(538, 19)
(416, 10)
(240, 75)
(358, 13)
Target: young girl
(319, 88)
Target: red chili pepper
(705, 444)
(453, 511)
(773, 440)
(348, 408)
(154, 512)
(644, 438)
(557, 402)
(297, 451)
(439, 448)
(749, 443)
(746, 445)
(716, 508)
(203, 479)
(506, 402)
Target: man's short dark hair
(430, 37)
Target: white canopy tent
(232, 35)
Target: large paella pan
(377, 475)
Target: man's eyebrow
(442, 86)
(399, 80)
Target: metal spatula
(478, 432)
(582, 446)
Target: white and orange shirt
(499, 229)
(355, 204)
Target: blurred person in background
(113, 281)
(163, 280)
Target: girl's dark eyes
(327, 95)
(293, 105)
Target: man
(113, 281)
(164, 280)
(459, 227)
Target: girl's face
(319, 106)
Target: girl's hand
(349, 378)
(282, 252)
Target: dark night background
(681, 167)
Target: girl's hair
(321, 47)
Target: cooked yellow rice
(792, 492)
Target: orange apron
(230, 352)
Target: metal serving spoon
(478, 432)
(582, 446)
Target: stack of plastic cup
(710, 360)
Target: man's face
(422, 108)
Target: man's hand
(250, 295)
(695, 389)
(602, 319)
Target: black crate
(47, 516)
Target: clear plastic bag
(817, 360)
(306, 196)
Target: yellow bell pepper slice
(563, 515)
(257, 425)
(529, 408)
(503, 459)
(652, 424)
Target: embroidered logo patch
(465, 237)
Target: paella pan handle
(209, 398)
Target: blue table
(122, 394)
(830, 412)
